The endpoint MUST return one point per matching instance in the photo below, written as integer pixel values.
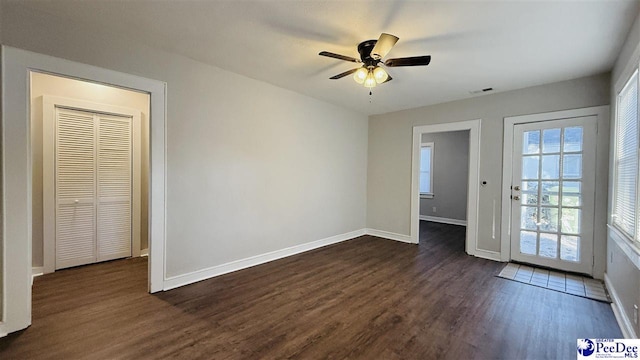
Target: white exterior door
(93, 187)
(553, 193)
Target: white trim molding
(431, 146)
(17, 65)
(631, 251)
(474, 127)
(390, 235)
(204, 274)
(199, 275)
(507, 165)
(144, 252)
(489, 255)
(35, 272)
(443, 220)
(626, 325)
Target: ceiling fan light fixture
(380, 75)
(360, 75)
(369, 73)
(370, 81)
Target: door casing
(471, 242)
(16, 160)
(589, 147)
(602, 158)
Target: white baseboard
(487, 254)
(192, 277)
(144, 252)
(443, 220)
(35, 272)
(626, 325)
(389, 235)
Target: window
(625, 193)
(426, 170)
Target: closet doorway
(90, 173)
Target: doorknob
(76, 201)
(516, 197)
(516, 188)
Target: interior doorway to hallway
(444, 179)
(425, 141)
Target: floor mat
(558, 281)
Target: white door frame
(601, 112)
(471, 243)
(16, 172)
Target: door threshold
(565, 282)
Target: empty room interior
(318, 179)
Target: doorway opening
(16, 257)
(444, 182)
(425, 141)
(444, 177)
(90, 172)
(550, 189)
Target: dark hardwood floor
(366, 298)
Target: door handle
(516, 188)
(516, 197)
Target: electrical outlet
(434, 209)
(635, 314)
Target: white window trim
(634, 241)
(430, 194)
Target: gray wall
(390, 141)
(623, 274)
(251, 168)
(450, 175)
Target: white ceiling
(474, 44)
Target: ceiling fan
(371, 53)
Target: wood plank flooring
(366, 298)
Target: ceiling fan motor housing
(371, 54)
(364, 48)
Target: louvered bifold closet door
(114, 186)
(75, 188)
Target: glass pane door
(552, 193)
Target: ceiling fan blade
(341, 75)
(338, 56)
(409, 61)
(383, 45)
